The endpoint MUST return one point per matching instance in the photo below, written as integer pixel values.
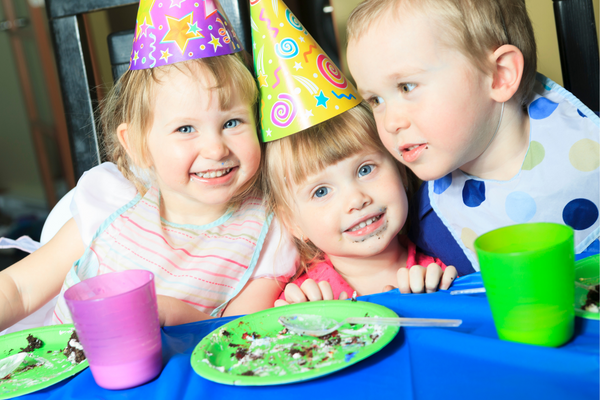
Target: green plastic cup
(528, 271)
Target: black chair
(578, 47)
(74, 68)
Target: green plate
(586, 272)
(276, 358)
(52, 369)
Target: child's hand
(419, 279)
(308, 291)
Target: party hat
(170, 31)
(299, 85)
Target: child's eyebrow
(406, 74)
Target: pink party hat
(170, 31)
(299, 85)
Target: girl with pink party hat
(180, 126)
(328, 176)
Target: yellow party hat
(299, 85)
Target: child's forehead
(347, 164)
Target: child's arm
(172, 311)
(259, 294)
(36, 279)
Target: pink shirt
(324, 271)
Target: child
(454, 91)
(345, 204)
(303, 91)
(201, 224)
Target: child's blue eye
(407, 87)
(365, 170)
(232, 123)
(186, 129)
(321, 192)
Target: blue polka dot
(520, 207)
(473, 193)
(440, 185)
(582, 114)
(542, 108)
(580, 214)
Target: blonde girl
(184, 135)
(343, 198)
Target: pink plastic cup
(116, 318)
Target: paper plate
(586, 272)
(254, 351)
(43, 367)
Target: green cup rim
(568, 232)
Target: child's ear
(124, 139)
(507, 73)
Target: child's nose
(357, 199)
(214, 148)
(395, 119)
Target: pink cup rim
(69, 292)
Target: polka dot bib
(558, 182)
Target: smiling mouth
(365, 223)
(213, 174)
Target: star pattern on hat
(322, 99)
(262, 80)
(143, 31)
(165, 55)
(176, 3)
(144, 14)
(195, 29)
(179, 31)
(215, 42)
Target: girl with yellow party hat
(180, 126)
(328, 177)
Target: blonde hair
(291, 160)
(474, 27)
(131, 101)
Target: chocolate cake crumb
(248, 373)
(34, 343)
(74, 350)
(592, 301)
(240, 353)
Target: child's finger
(387, 288)
(279, 303)
(326, 290)
(432, 277)
(417, 278)
(449, 276)
(343, 296)
(311, 290)
(403, 280)
(293, 294)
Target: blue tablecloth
(469, 362)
